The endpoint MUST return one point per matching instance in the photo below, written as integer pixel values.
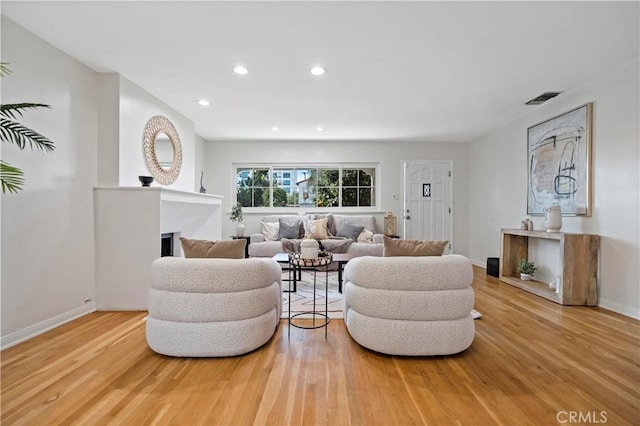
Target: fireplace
(166, 241)
(123, 275)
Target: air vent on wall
(542, 98)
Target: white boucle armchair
(410, 305)
(213, 307)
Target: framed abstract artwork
(559, 163)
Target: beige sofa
(410, 305)
(368, 242)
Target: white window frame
(296, 209)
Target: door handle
(407, 217)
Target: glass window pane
(301, 176)
(328, 177)
(257, 197)
(365, 197)
(327, 197)
(242, 177)
(282, 188)
(307, 196)
(349, 197)
(293, 199)
(366, 177)
(261, 178)
(243, 196)
(349, 177)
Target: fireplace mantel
(167, 194)
(129, 222)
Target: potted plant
(527, 269)
(236, 216)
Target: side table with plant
(527, 269)
(236, 216)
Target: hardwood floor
(532, 362)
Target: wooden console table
(578, 255)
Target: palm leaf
(11, 178)
(16, 133)
(15, 110)
(3, 69)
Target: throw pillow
(393, 247)
(365, 236)
(319, 229)
(270, 230)
(337, 246)
(289, 230)
(331, 226)
(232, 249)
(349, 231)
(368, 221)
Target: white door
(427, 201)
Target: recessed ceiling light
(319, 129)
(318, 70)
(241, 70)
(275, 128)
(204, 102)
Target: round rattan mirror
(154, 143)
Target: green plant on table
(236, 213)
(525, 267)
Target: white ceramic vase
(525, 277)
(553, 218)
(240, 229)
(309, 249)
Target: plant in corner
(236, 216)
(11, 177)
(527, 269)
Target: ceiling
(396, 71)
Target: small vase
(525, 277)
(309, 249)
(553, 218)
(145, 180)
(240, 229)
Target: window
(306, 186)
(252, 187)
(357, 187)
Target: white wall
(108, 129)
(47, 229)
(199, 163)
(498, 191)
(97, 122)
(219, 173)
(137, 106)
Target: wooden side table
(577, 257)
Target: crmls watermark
(581, 416)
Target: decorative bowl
(145, 180)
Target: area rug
(302, 300)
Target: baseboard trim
(483, 265)
(609, 305)
(32, 331)
(619, 308)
